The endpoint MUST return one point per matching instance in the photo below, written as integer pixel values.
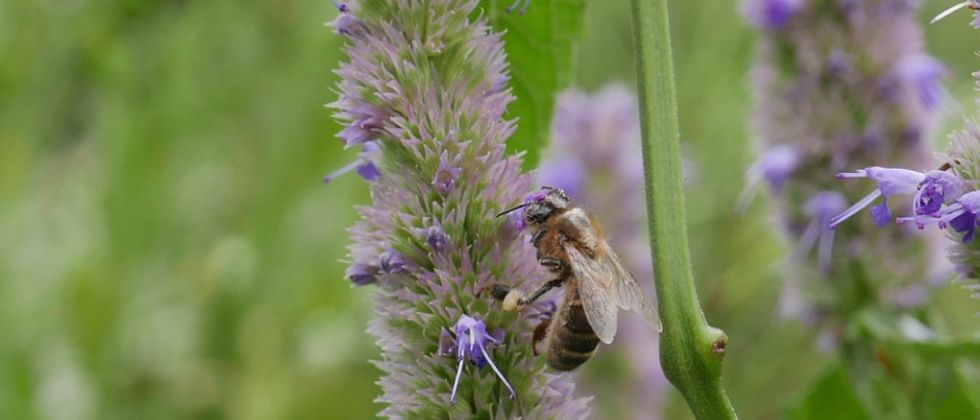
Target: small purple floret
(472, 340)
(938, 188)
(891, 181)
(391, 262)
(362, 274)
(436, 238)
(445, 176)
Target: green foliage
(830, 397)
(541, 49)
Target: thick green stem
(691, 351)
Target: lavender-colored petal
(362, 274)
(368, 171)
(881, 215)
(893, 181)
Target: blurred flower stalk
(425, 86)
(947, 198)
(841, 85)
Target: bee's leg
(552, 264)
(540, 331)
(515, 299)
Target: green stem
(691, 351)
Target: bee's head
(541, 205)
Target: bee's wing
(595, 286)
(629, 293)
(605, 285)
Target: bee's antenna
(950, 11)
(511, 210)
(547, 187)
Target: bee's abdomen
(572, 341)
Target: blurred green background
(167, 249)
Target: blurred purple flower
(565, 173)
(362, 274)
(923, 74)
(821, 208)
(770, 14)
(774, 166)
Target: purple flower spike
(890, 181)
(362, 274)
(471, 343)
(445, 176)
(436, 238)
(923, 74)
(391, 262)
(770, 14)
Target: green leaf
(830, 397)
(540, 47)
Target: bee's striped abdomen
(571, 340)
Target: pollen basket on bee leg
(512, 300)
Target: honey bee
(571, 244)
